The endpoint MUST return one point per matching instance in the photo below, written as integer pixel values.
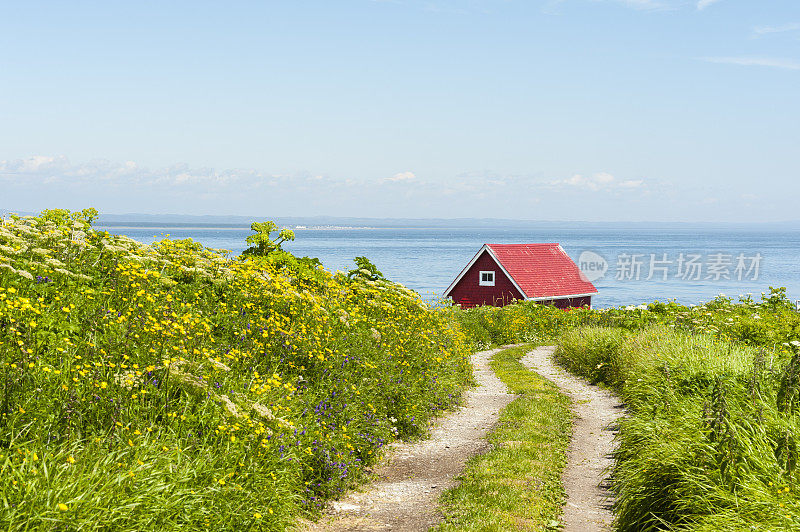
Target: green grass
(517, 485)
(710, 439)
(173, 387)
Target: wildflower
(71, 459)
(63, 507)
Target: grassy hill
(173, 386)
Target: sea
(629, 265)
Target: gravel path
(589, 460)
(410, 480)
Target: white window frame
(481, 282)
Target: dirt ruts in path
(589, 460)
(409, 482)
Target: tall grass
(528, 321)
(174, 387)
(709, 442)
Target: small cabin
(501, 273)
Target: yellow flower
(257, 515)
(63, 507)
(71, 459)
(130, 443)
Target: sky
(598, 110)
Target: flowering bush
(172, 386)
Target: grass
(517, 485)
(710, 442)
(172, 386)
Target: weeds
(709, 441)
(172, 386)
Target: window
(486, 279)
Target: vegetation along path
(404, 496)
(589, 460)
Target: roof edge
(568, 296)
(464, 271)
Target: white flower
(55, 263)
(230, 406)
(218, 365)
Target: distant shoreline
(148, 225)
(140, 220)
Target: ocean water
(712, 261)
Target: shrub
(173, 387)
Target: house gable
(468, 291)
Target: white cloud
(35, 183)
(33, 165)
(783, 28)
(598, 181)
(401, 176)
(100, 172)
(773, 62)
(646, 4)
(702, 4)
(603, 177)
(641, 5)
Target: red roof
(541, 270)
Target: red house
(501, 273)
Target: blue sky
(551, 110)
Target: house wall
(468, 293)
